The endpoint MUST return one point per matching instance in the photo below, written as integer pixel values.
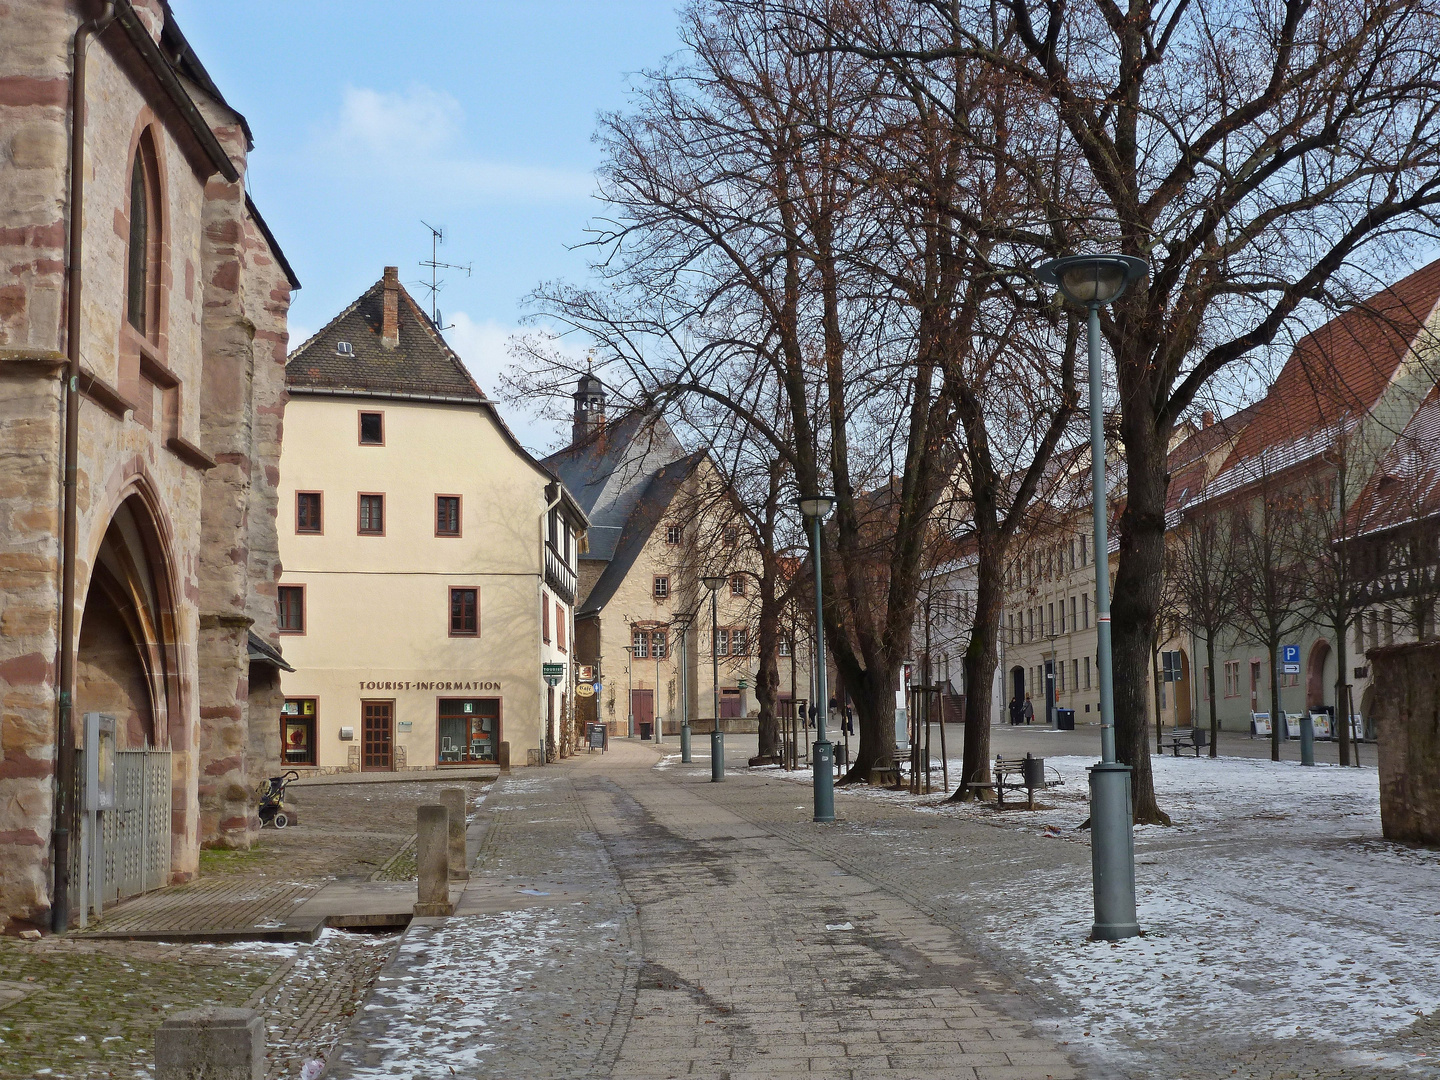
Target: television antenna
(437, 237)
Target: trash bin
(1034, 767)
(1064, 719)
(646, 730)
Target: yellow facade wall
(377, 607)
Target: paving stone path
(621, 923)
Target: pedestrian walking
(1028, 710)
(849, 720)
(1014, 711)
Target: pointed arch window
(142, 276)
(139, 243)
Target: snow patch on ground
(1273, 905)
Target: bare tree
(1204, 569)
(1259, 158)
(1269, 521)
(798, 243)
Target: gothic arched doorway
(127, 667)
(126, 658)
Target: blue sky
(476, 117)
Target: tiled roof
(1344, 366)
(1406, 486)
(421, 364)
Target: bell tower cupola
(589, 408)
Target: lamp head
(713, 581)
(1092, 279)
(816, 506)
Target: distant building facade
(658, 525)
(430, 561)
(147, 286)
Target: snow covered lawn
(1273, 907)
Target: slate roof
(1341, 368)
(649, 509)
(422, 365)
(609, 472)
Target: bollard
(453, 799)
(1307, 740)
(432, 861)
(503, 757)
(214, 1043)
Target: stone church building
(142, 388)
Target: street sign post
(1290, 659)
(553, 673)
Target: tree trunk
(1135, 604)
(981, 657)
(1210, 680)
(1342, 717)
(767, 688)
(874, 700)
(1276, 713)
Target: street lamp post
(717, 737)
(630, 690)
(1092, 281)
(815, 508)
(682, 627)
(659, 716)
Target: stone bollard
(432, 861)
(503, 757)
(453, 799)
(211, 1044)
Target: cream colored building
(658, 524)
(429, 559)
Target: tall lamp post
(1092, 281)
(717, 737)
(630, 690)
(815, 508)
(681, 623)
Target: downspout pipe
(64, 810)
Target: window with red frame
(464, 612)
(291, 601)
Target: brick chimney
(1207, 419)
(390, 321)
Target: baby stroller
(272, 799)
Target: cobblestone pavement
(79, 1006)
(620, 923)
(963, 871)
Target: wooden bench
(1188, 738)
(1011, 774)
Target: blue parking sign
(1290, 654)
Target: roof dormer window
(344, 348)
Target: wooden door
(642, 706)
(377, 736)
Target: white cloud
(420, 120)
(418, 137)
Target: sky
(371, 117)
